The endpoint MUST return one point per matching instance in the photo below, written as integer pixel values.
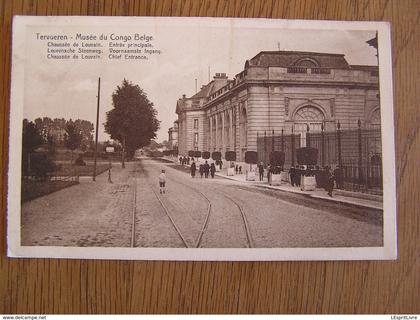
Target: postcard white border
(388, 251)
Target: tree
(31, 140)
(86, 128)
(51, 145)
(133, 120)
(72, 138)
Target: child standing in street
(162, 181)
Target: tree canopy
(54, 129)
(73, 136)
(133, 120)
(32, 138)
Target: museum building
(289, 90)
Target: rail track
(198, 241)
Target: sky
(68, 88)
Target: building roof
(293, 58)
(210, 88)
(364, 67)
(265, 59)
(198, 100)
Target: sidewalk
(339, 196)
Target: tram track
(250, 243)
(245, 221)
(197, 243)
(203, 228)
(133, 236)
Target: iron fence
(357, 151)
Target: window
(195, 123)
(195, 138)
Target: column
(237, 134)
(216, 142)
(211, 133)
(231, 142)
(223, 132)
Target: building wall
(272, 107)
(274, 99)
(187, 131)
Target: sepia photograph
(201, 139)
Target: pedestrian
(330, 182)
(292, 173)
(206, 169)
(298, 175)
(180, 160)
(212, 169)
(236, 169)
(201, 170)
(269, 171)
(240, 169)
(193, 168)
(221, 164)
(162, 181)
(261, 171)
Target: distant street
(192, 213)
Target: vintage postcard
(201, 139)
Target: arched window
(306, 63)
(307, 116)
(309, 113)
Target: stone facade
(278, 90)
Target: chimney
(219, 76)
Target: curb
(308, 194)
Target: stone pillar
(216, 142)
(223, 133)
(211, 133)
(231, 141)
(237, 134)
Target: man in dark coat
(193, 168)
(201, 170)
(292, 173)
(212, 169)
(261, 171)
(206, 169)
(330, 181)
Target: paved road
(192, 212)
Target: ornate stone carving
(286, 106)
(332, 107)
